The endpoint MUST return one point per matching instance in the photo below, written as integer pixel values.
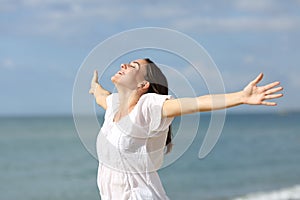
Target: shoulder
(113, 95)
(155, 98)
(112, 99)
(152, 102)
(151, 107)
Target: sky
(44, 42)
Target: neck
(127, 99)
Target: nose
(123, 66)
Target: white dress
(131, 151)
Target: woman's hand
(94, 83)
(98, 91)
(256, 95)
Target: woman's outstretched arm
(98, 91)
(251, 94)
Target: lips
(120, 73)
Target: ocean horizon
(257, 157)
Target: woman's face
(131, 74)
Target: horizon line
(31, 115)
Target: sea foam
(292, 193)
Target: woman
(136, 129)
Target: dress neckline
(121, 118)
(129, 113)
(125, 116)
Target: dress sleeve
(109, 100)
(152, 112)
(112, 103)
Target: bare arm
(252, 95)
(98, 91)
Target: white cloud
(60, 19)
(7, 6)
(65, 18)
(261, 5)
(163, 11)
(249, 59)
(7, 63)
(233, 24)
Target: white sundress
(131, 151)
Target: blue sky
(44, 42)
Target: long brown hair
(159, 85)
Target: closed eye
(134, 64)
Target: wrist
(99, 91)
(242, 97)
(96, 90)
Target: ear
(144, 85)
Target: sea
(257, 157)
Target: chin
(113, 79)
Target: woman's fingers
(94, 82)
(271, 85)
(262, 93)
(274, 90)
(257, 79)
(266, 103)
(270, 93)
(95, 77)
(273, 96)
